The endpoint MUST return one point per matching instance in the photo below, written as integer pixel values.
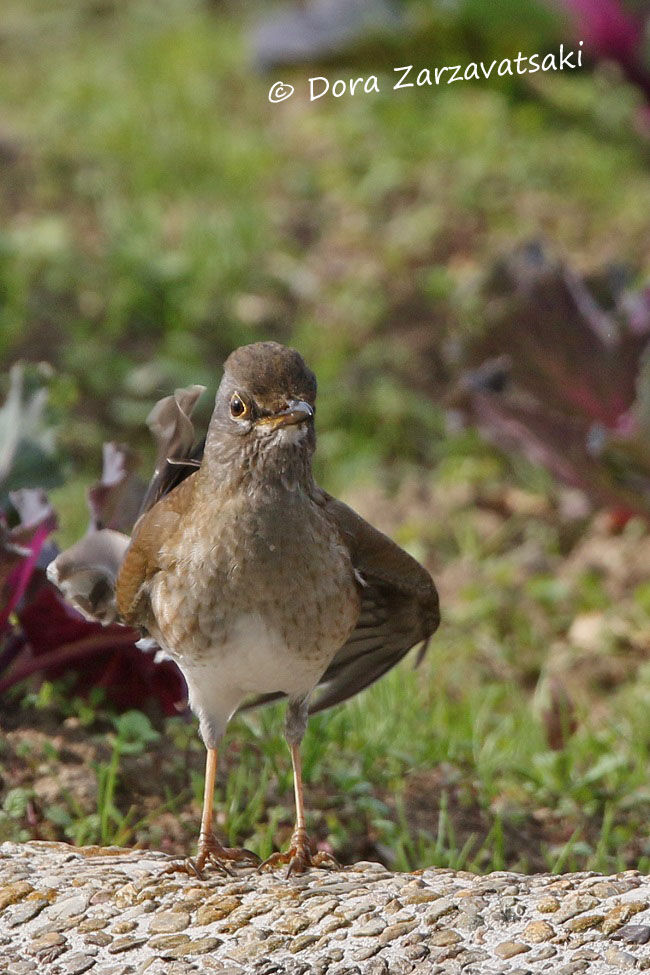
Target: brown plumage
(259, 583)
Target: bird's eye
(238, 408)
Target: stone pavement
(65, 911)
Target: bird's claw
(300, 856)
(212, 852)
(187, 866)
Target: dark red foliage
(41, 634)
(563, 377)
(62, 642)
(52, 639)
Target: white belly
(254, 660)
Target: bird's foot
(301, 856)
(211, 852)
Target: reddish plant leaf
(115, 500)
(62, 642)
(572, 392)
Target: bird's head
(264, 409)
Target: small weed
(12, 815)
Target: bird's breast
(265, 585)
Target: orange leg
(301, 855)
(210, 849)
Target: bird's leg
(210, 849)
(301, 854)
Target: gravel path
(65, 911)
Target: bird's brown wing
(399, 610)
(142, 559)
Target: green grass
(450, 764)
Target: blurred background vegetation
(156, 211)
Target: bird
(261, 585)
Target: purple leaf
(115, 500)
(62, 642)
(572, 394)
(20, 576)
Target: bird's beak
(297, 411)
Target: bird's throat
(262, 465)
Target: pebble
(538, 931)
(548, 905)
(361, 905)
(301, 942)
(508, 949)
(201, 946)
(24, 912)
(393, 906)
(442, 939)
(292, 923)
(472, 905)
(548, 951)
(370, 930)
(604, 890)
(422, 897)
(69, 907)
(586, 954)
(216, 910)
(469, 922)
(168, 922)
(623, 959)
(394, 931)
(584, 922)
(367, 952)
(12, 893)
(21, 967)
(92, 924)
(123, 927)
(622, 913)
(125, 944)
(444, 905)
(164, 941)
(190, 947)
(572, 906)
(638, 934)
(48, 940)
(100, 939)
(473, 957)
(77, 964)
(415, 952)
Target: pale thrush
(261, 585)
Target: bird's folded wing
(142, 559)
(399, 610)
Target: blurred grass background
(156, 212)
